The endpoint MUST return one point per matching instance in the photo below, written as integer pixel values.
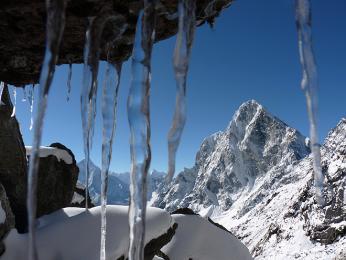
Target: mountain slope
(230, 162)
(256, 179)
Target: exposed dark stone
(22, 31)
(154, 246)
(184, 211)
(56, 183)
(9, 222)
(13, 163)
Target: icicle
(309, 86)
(2, 85)
(186, 30)
(89, 88)
(89, 91)
(31, 103)
(24, 94)
(139, 122)
(69, 77)
(54, 31)
(109, 108)
(15, 101)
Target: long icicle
(31, 103)
(54, 30)
(186, 31)
(15, 102)
(139, 122)
(109, 108)
(89, 88)
(69, 78)
(309, 85)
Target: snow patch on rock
(46, 151)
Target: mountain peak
(254, 143)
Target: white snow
(197, 238)
(74, 234)
(46, 151)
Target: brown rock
(22, 31)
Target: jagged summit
(231, 161)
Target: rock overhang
(22, 31)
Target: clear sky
(251, 53)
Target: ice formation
(54, 30)
(186, 31)
(309, 86)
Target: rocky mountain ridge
(256, 179)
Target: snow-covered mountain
(255, 178)
(230, 162)
(118, 184)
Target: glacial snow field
(256, 179)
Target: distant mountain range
(118, 184)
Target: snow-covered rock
(57, 177)
(46, 151)
(74, 233)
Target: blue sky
(251, 53)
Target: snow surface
(197, 238)
(46, 151)
(74, 234)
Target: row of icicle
(139, 107)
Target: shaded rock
(23, 20)
(154, 246)
(56, 182)
(7, 221)
(184, 211)
(13, 163)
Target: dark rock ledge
(22, 31)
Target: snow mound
(74, 234)
(46, 151)
(197, 238)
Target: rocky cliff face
(22, 31)
(228, 163)
(256, 179)
(13, 163)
